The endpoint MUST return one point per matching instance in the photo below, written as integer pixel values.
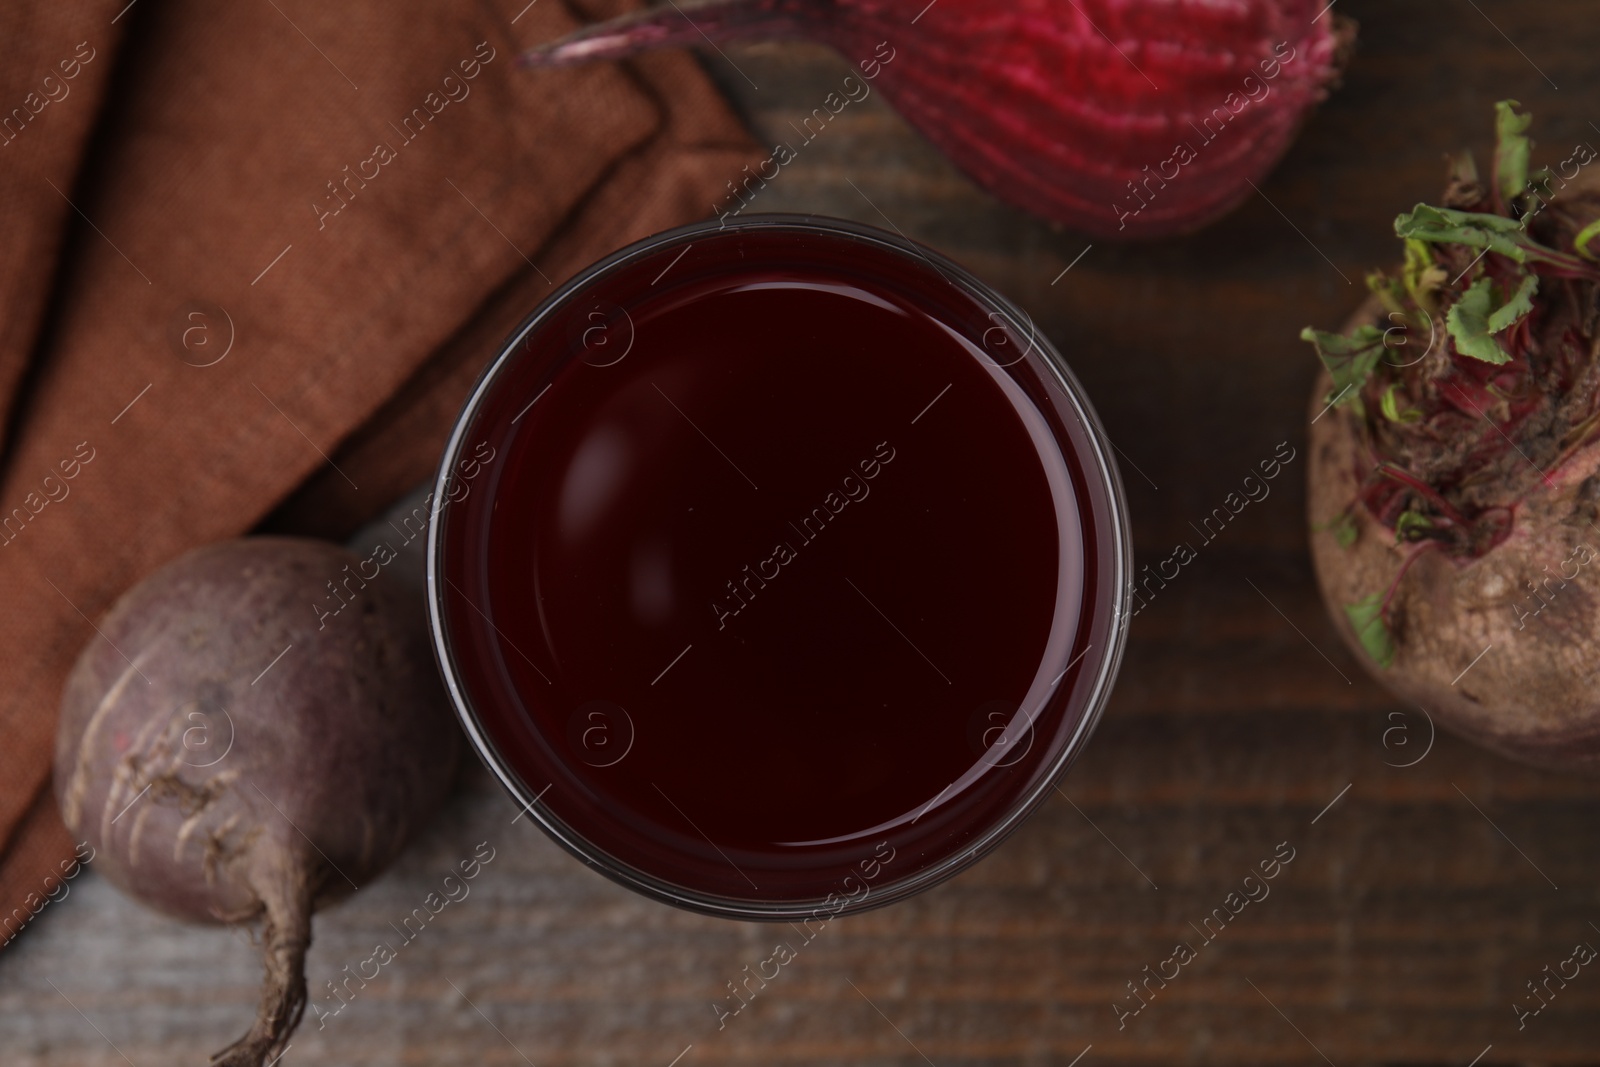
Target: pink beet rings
(1118, 118)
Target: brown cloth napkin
(252, 256)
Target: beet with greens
(1455, 460)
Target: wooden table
(1419, 902)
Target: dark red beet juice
(792, 569)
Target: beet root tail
(666, 27)
(286, 897)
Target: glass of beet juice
(792, 569)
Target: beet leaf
(1366, 618)
(1478, 315)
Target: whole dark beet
(1455, 459)
(236, 751)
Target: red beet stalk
(1118, 118)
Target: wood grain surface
(1420, 899)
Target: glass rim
(1097, 464)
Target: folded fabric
(255, 249)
